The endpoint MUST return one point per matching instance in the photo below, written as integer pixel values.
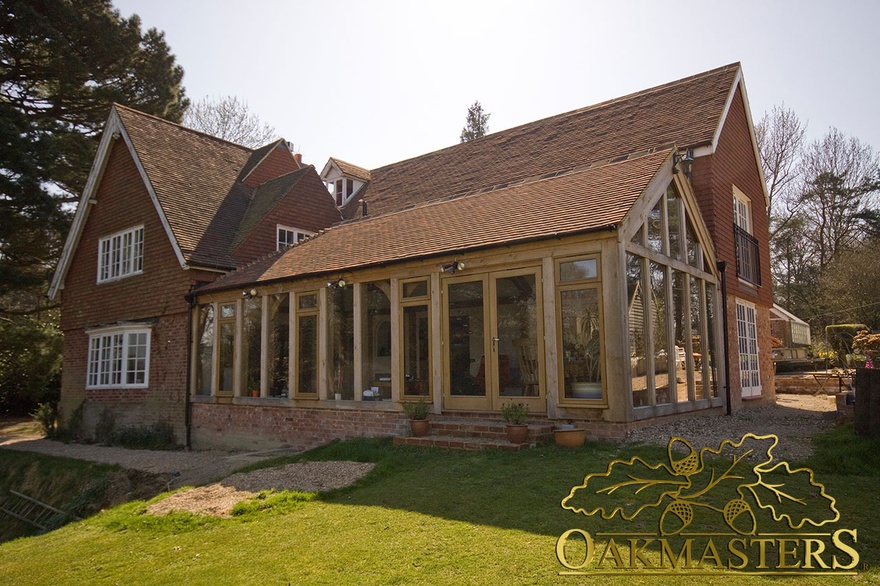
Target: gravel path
(795, 419)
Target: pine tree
(477, 123)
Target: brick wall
(122, 202)
(258, 428)
(733, 163)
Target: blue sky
(374, 82)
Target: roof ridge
(605, 103)
(185, 128)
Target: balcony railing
(747, 266)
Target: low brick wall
(807, 384)
(255, 427)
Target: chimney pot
(298, 158)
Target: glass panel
(517, 344)
(309, 301)
(226, 356)
(697, 337)
(680, 332)
(341, 326)
(655, 227)
(639, 236)
(251, 346)
(205, 354)
(415, 289)
(136, 359)
(307, 354)
(658, 334)
(710, 325)
(637, 342)
(693, 257)
(467, 368)
(577, 270)
(674, 223)
(279, 344)
(227, 311)
(416, 350)
(376, 346)
(581, 344)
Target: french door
(747, 337)
(493, 340)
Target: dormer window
(344, 190)
(286, 236)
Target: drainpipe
(187, 417)
(722, 265)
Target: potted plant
(568, 435)
(515, 415)
(418, 416)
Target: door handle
(495, 343)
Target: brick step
(461, 443)
(487, 429)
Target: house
(165, 209)
(607, 265)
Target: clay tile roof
(352, 170)
(194, 177)
(264, 199)
(583, 200)
(686, 113)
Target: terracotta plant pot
(570, 438)
(419, 427)
(517, 433)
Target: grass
(422, 516)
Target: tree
(229, 119)
(477, 124)
(62, 64)
(780, 135)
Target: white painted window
(742, 213)
(121, 254)
(119, 357)
(747, 338)
(286, 236)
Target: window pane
(416, 350)
(710, 325)
(467, 374)
(581, 344)
(308, 301)
(697, 311)
(693, 257)
(674, 223)
(415, 289)
(637, 341)
(376, 345)
(680, 332)
(251, 344)
(307, 354)
(517, 346)
(577, 270)
(658, 334)
(205, 355)
(226, 355)
(341, 326)
(279, 344)
(227, 311)
(655, 227)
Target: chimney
(363, 207)
(298, 158)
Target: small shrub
(418, 410)
(105, 427)
(46, 415)
(72, 429)
(159, 436)
(515, 413)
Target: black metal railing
(748, 266)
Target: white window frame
(121, 255)
(742, 210)
(113, 359)
(749, 355)
(298, 235)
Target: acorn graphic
(739, 516)
(676, 516)
(687, 465)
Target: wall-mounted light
(684, 163)
(340, 284)
(452, 267)
(249, 294)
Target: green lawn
(422, 516)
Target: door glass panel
(467, 361)
(307, 354)
(341, 326)
(376, 347)
(279, 344)
(227, 353)
(581, 343)
(252, 311)
(517, 343)
(416, 335)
